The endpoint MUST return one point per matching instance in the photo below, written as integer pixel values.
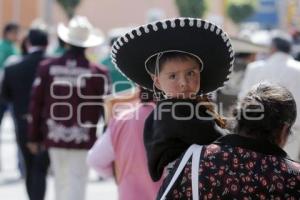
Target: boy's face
(179, 78)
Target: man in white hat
(66, 104)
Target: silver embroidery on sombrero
(116, 46)
(224, 37)
(182, 23)
(206, 25)
(164, 25)
(212, 27)
(154, 26)
(218, 31)
(173, 25)
(138, 31)
(125, 39)
(114, 51)
(120, 42)
(146, 29)
(131, 35)
(191, 23)
(228, 43)
(199, 23)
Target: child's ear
(156, 82)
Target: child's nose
(183, 82)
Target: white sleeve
(101, 156)
(246, 83)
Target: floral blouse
(240, 168)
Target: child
(181, 60)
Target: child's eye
(191, 73)
(172, 76)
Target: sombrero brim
(244, 46)
(195, 36)
(95, 38)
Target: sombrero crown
(194, 36)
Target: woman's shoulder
(292, 166)
(222, 153)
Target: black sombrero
(194, 36)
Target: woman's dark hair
(264, 111)
(167, 56)
(24, 49)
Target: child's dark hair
(264, 110)
(167, 56)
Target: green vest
(7, 48)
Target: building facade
(105, 14)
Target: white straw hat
(246, 46)
(80, 32)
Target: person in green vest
(7, 49)
(7, 44)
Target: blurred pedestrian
(7, 48)
(120, 152)
(16, 89)
(8, 42)
(66, 105)
(282, 69)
